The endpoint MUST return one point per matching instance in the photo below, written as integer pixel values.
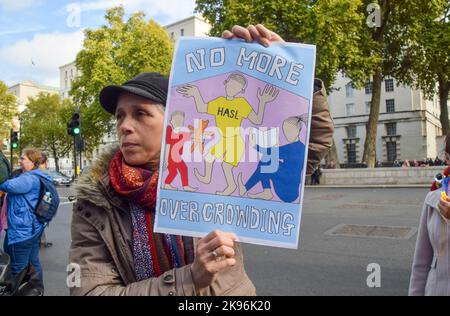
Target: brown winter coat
(101, 246)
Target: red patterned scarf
(153, 253)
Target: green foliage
(335, 26)
(8, 110)
(44, 125)
(401, 23)
(113, 54)
(426, 61)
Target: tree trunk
(55, 156)
(444, 89)
(332, 156)
(369, 155)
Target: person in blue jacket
(24, 230)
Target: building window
(389, 85)
(391, 148)
(390, 106)
(172, 35)
(351, 153)
(71, 73)
(368, 88)
(182, 32)
(351, 131)
(350, 109)
(391, 129)
(66, 75)
(65, 83)
(349, 90)
(368, 105)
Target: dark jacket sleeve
(5, 168)
(322, 128)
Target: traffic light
(73, 128)
(14, 140)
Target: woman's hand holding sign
(214, 253)
(252, 33)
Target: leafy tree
(401, 21)
(44, 125)
(8, 111)
(427, 61)
(113, 54)
(333, 25)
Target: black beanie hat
(149, 85)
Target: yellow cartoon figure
(229, 112)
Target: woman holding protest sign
(113, 242)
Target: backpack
(48, 201)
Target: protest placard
(236, 138)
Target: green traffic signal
(14, 140)
(73, 127)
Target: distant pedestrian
(438, 162)
(315, 177)
(429, 274)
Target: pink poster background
(284, 106)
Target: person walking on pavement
(24, 230)
(113, 241)
(315, 177)
(429, 273)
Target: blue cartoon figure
(285, 180)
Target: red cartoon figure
(175, 140)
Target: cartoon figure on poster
(291, 158)
(236, 138)
(229, 111)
